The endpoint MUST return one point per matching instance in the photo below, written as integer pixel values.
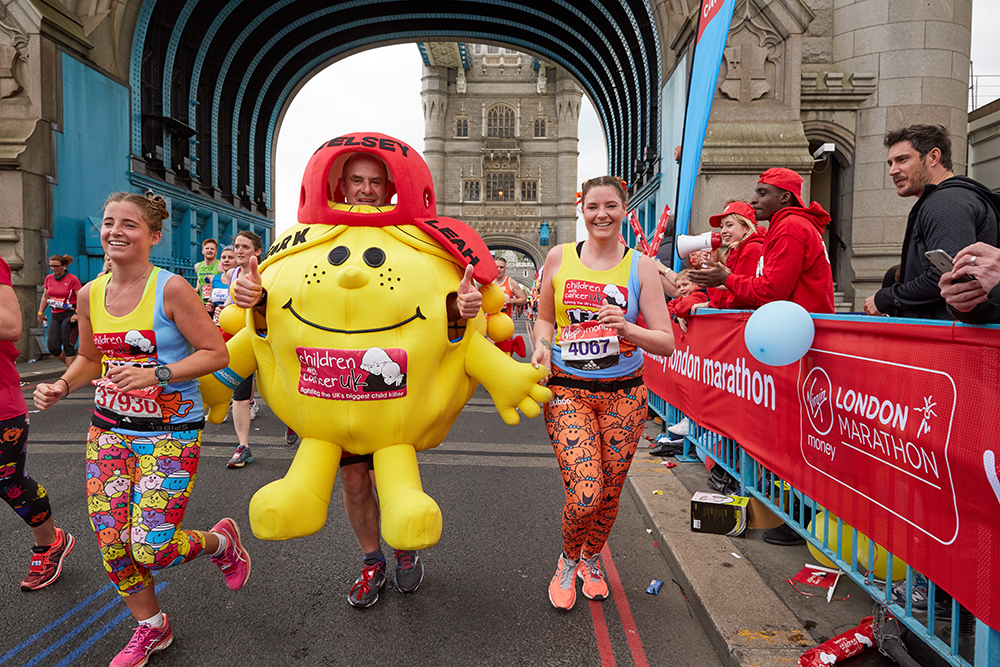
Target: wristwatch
(163, 375)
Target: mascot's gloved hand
(217, 388)
(511, 384)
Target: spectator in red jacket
(793, 265)
(743, 241)
(690, 296)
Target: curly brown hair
(152, 206)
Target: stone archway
(514, 242)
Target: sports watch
(163, 375)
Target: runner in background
(24, 495)
(513, 294)
(61, 288)
(220, 284)
(247, 245)
(204, 271)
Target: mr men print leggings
(594, 434)
(24, 495)
(138, 487)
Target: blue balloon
(779, 333)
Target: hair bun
(158, 204)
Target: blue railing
(968, 642)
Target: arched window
(500, 122)
(539, 127)
(462, 127)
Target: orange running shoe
(594, 585)
(562, 588)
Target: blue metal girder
(341, 28)
(406, 35)
(135, 72)
(168, 68)
(199, 62)
(626, 128)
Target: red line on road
(601, 633)
(628, 623)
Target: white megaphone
(689, 244)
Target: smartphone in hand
(945, 263)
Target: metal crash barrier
(914, 601)
(883, 430)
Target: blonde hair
(743, 220)
(153, 207)
(682, 275)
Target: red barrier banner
(892, 425)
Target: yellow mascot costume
(355, 350)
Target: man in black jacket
(951, 213)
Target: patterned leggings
(594, 434)
(25, 496)
(138, 487)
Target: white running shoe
(681, 428)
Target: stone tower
(501, 142)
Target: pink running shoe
(146, 641)
(234, 561)
(594, 585)
(562, 588)
(47, 561)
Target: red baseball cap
(737, 207)
(786, 179)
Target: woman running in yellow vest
(593, 291)
(137, 325)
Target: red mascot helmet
(409, 180)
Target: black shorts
(244, 391)
(348, 459)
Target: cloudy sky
(322, 110)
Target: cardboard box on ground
(719, 514)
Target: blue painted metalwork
(168, 68)
(617, 125)
(625, 166)
(423, 54)
(199, 62)
(340, 28)
(248, 73)
(400, 36)
(616, 167)
(223, 74)
(91, 151)
(656, 130)
(463, 53)
(135, 72)
(645, 61)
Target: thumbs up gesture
(248, 290)
(469, 298)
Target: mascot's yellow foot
(285, 509)
(411, 520)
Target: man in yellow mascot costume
(355, 347)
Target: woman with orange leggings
(594, 291)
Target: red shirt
(11, 400)
(793, 266)
(743, 260)
(681, 306)
(62, 291)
